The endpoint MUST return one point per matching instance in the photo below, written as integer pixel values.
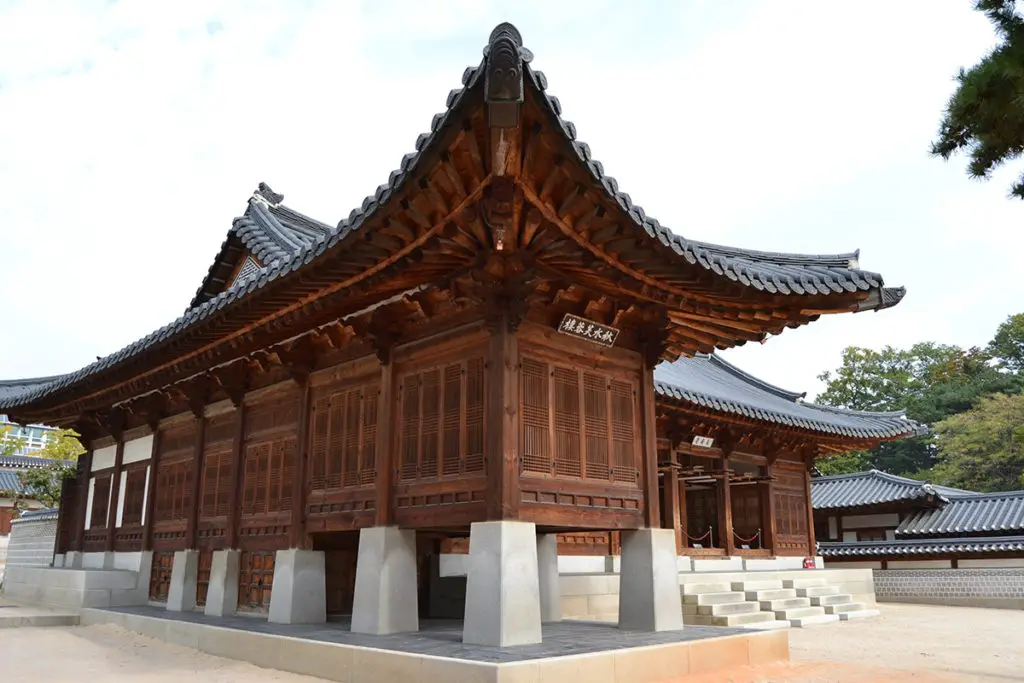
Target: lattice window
(577, 424)
(203, 576)
(790, 504)
(344, 438)
(442, 421)
(173, 490)
(160, 575)
(134, 494)
(216, 483)
(267, 476)
(100, 502)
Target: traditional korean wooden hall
(496, 350)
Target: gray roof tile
(917, 547)
(710, 382)
(23, 462)
(858, 489)
(977, 513)
(9, 481)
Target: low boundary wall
(998, 587)
(32, 539)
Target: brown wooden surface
(671, 486)
(728, 541)
(235, 498)
(153, 465)
(768, 510)
(115, 495)
(196, 481)
(385, 456)
(297, 536)
(85, 475)
(502, 437)
(652, 516)
(811, 548)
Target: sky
(133, 132)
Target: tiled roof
(964, 514)
(37, 515)
(710, 382)
(918, 547)
(765, 271)
(10, 481)
(23, 462)
(841, 491)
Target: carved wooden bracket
(154, 407)
(234, 379)
(298, 358)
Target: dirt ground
(907, 643)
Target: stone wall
(32, 539)
(1000, 587)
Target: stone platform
(595, 652)
(13, 615)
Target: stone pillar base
(222, 593)
(386, 596)
(550, 589)
(300, 588)
(73, 560)
(649, 584)
(100, 560)
(502, 585)
(181, 594)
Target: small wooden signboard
(578, 327)
(703, 441)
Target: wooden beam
(649, 446)
(386, 433)
(197, 482)
(725, 506)
(237, 464)
(115, 494)
(810, 510)
(502, 435)
(150, 508)
(672, 505)
(768, 529)
(85, 470)
(297, 535)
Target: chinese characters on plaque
(703, 441)
(575, 326)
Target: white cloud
(132, 133)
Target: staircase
(783, 602)
(830, 599)
(716, 604)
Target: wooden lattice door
(160, 575)
(340, 566)
(255, 580)
(203, 576)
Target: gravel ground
(921, 644)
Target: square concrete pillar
(222, 593)
(550, 589)
(649, 583)
(386, 596)
(299, 595)
(502, 585)
(181, 594)
(73, 560)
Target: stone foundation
(1001, 588)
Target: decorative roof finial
(503, 77)
(264, 192)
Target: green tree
(982, 449)
(9, 445)
(985, 116)
(844, 463)
(1008, 344)
(62, 447)
(930, 381)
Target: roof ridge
(747, 377)
(29, 380)
(845, 259)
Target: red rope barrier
(747, 540)
(698, 538)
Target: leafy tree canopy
(982, 449)
(985, 116)
(9, 445)
(44, 483)
(1008, 344)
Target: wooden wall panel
(791, 532)
(269, 459)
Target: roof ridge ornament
(504, 90)
(267, 196)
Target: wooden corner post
(502, 423)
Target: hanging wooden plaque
(703, 441)
(581, 328)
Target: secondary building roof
(859, 489)
(919, 547)
(23, 462)
(968, 513)
(708, 381)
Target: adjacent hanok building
(498, 345)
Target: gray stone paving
(443, 638)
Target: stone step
(816, 591)
(728, 608)
(774, 594)
(797, 612)
(784, 604)
(845, 607)
(746, 586)
(712, 598)
(767, 625)
(698, 588)
(747, 620)
(861, 614)
(803, 583)
(802, 622)
(834, 599)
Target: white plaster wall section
(920, 564)
(137, 450)
(871, 521)
(129, 561)
(833, 528)
(996, 563)
(145, 494)
(88, 503)
(122, 484)
(849, 536)
(103, 458)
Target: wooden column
(85, 475)
(297, 535)
(115, 495)
(683, 521)
(672, 504)
(768, 511)
(810, 510)
(725, 509)
(502, 423)
(237, 461)
(649, 475)
(197, 480)
(386, 430)
(150, 509)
